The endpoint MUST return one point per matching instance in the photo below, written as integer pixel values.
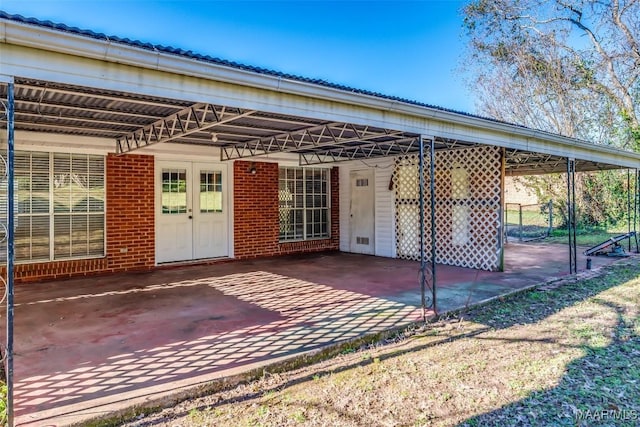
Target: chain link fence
(528, 222)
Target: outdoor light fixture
(252, 168)
(214, 137)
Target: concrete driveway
(90, 346)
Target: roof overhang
(73, 84)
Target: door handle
(190, 217)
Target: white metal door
(174, 234)
(191, 211)
(209, 211)
(361, 220)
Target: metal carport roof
(135, 120)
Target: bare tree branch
(582, 58)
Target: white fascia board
(541, 142)
(179, 77)
(203, 153)
(59, 143)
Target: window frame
(52, 213)
(214, 186)
(305, 208)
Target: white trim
(231, 209)
(51, 214)
(192, 152)
(58, 143)
(327, 194)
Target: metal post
(550, 207)
(433, 222)
(10, 248)
(571, 215)
(629, 205)
(520, 220)
(423, 261)
(502, 230)
(636, 209)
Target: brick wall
(58, 269)
(256, 220)
(130, 212)
(130, 232)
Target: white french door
(191, 211)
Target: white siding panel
(385, 210)
(345, 203)
(384, 205)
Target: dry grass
(538, 358)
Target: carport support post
(629, 205)
(432, 174)
(571, 214)
(423, 254)
(10, 249)
(636, 209)
(422, 224)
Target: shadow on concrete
(89, 346)
(561, 296)
(282, 316)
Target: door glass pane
(210, 191)
(174, 191)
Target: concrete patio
(90, 346)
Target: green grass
(535, 224)
(538, 358)
(529, 217)
(586, 237)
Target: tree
(576, 62)
(568, 67)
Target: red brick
(256, 219)
(129, 215)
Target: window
(210, 191)
(60, 206)
(174, 191)
(304, 204)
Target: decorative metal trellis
(467, 205)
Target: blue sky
(409, 49)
